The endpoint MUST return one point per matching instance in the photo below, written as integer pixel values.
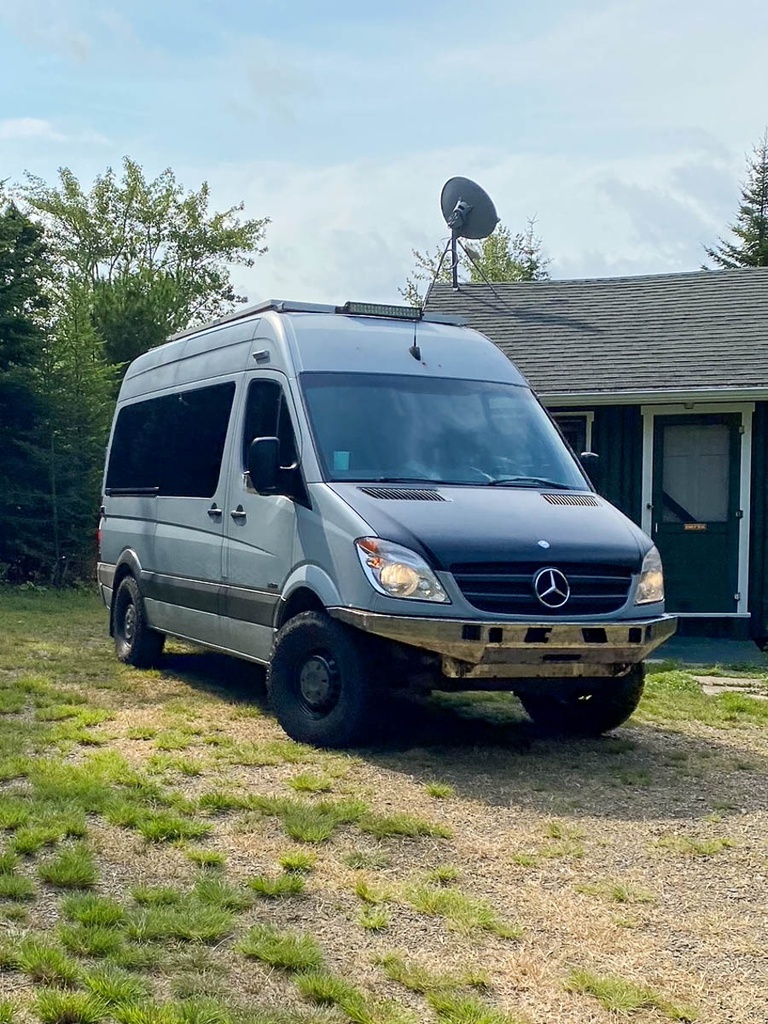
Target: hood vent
(402, 493)
(571, 499)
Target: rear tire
(136, 643)
(597, 706)
(321, 681)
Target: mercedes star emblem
(551, 588)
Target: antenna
(469, 213)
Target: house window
(576, 428)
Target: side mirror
(264, 463)
(590, 463)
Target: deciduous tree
(501, 256)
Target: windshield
(381, 427)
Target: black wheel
(136, 643)
(595, 707)
(320, 681)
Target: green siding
(617, 437)
(758, 554)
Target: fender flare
(308, 577)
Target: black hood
(501, 524)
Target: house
(666, 378)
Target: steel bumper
(483, 650)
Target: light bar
(375, 309)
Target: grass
(290, 951)
(454, 1008)
(416, 978)
(374, 919)
(187, 921)
(92, 911)
(365, 860)
(7, 1011)
(461, 912)
(443, 874)
(623, 996)
(299, 862)
(16, 887)
(688, 846)
(54, 1007)
(166, 827)
(676, 696)
(90, 940)
(206, 858)
(407, 826)
(617, 892)
(307, 783)
(72, 868)
(46, 964)
(156, 895)
(290, 884)
(114, 986)
(215, 892)
(371, 894)
(93, 757)
(440, 790)
(328, 990)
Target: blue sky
(621, 125)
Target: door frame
(745, 410)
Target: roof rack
(348, 309)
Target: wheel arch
(308, 589)
(128, 564)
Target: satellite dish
(468, 209)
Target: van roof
(374, 309)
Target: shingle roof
(701, 330)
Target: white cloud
(17, 128)
(347, 230)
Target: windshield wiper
(402, 480)
(529, 481)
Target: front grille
(506, 588)
(403, 493)
(571, 499)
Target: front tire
(136, 643)
(321, 681)
(597, 706)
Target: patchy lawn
(168, 856)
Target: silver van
(366, 497)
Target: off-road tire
(136, 643)
(595, 707)
(321, 681)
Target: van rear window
(171, 445)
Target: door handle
(239, 513)
(214, 511)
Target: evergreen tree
(501, 256)
(79, 388)
(23, 270)
(751, 226)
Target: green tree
(23, 306)
(132, 260)
(751, 225)
(78, 384)
(152, 251)
(501, 256)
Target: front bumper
(521, 650)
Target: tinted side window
(172, 444)
(267, 415)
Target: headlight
(398, 572)
(651, 585)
